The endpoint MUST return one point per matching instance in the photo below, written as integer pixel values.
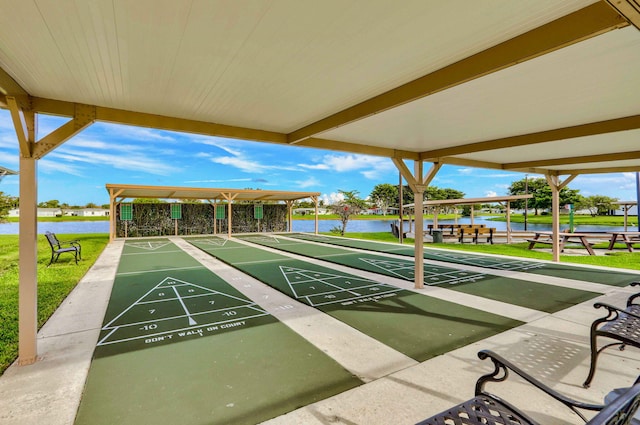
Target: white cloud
(240, 163)
(55, 167)
(135, 133)
(310, 182)
(10, 160)
(249, 166)
(133, 162)
(332, 198)
(219, 180)
(314, 166)
(371, 167)
(490, 194)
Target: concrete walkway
(399, 390)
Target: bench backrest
(53, 240)
(621, 410)
(482, 230)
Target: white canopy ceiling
(533, 85)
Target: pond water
(306, 226)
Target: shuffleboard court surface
(537, 296)
(606, 277)
(181, 346)
(419, 326)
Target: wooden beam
(630, 9)
(591, 129)
(335, 145)
(9, 86)
(20, 124)
(84, 116)
(405, 172)
(577, 26)
(621, 156)
(630, 169)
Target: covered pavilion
(547, 87)
(118, 193)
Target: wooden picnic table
(546, 238)
(628, 238)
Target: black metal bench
(622, 325)
(488, 409)
(59, 247)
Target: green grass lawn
(54, 283)
(600, 220)
(619, 259)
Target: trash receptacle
(437, 235)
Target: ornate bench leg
(594, 360)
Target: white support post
(556, 187)
(418, 184)
(315, 201)
(27, 263)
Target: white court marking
(162, 311)
(433, 275)
(148, 245)
(326, 288)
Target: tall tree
(350, 205)
(542, 195)
(7, 202)
(597, 204)
(54, 203)
(384, 195)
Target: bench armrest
(73, 242)
(634, 296)
(501, 372)
(613, 312)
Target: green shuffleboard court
(538, 296)
(181, 346)
(419, 326)
(606, 277)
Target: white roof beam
(580, 25)
(590, 129)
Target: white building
(58, 212)
(92, 212)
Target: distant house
(380, 211)
(49, 212)
(308, 211)
(633, 210)
(57, 212)
(42, 212)
(92, 212)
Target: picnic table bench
(487, 408)
(620, 325)
(566, 238)
(545, 238)
(628, 238)
(476, 233)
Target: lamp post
(526, 203)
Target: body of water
(309, 226)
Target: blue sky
(76, 172)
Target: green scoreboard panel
(176, 211)
(220, 214)
(258, 212)
(126, 212)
